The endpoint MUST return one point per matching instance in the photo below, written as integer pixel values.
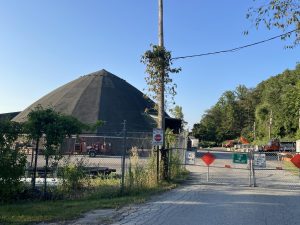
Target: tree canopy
(236, 111)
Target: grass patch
(61, 210)
(289, 166)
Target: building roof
(8, 116)
(99, 96)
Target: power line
(237, 48)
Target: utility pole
(123, 157)
(161, 98)
(270, 124)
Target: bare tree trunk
(35, 163)
(32, 154)
(45, 179)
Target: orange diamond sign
(296, 160)
(208, 158)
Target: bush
(12, 161)
(73, 175)
(12, 168)
(141, 175)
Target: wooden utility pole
(161, 98)
(270, 124)
(160, 23)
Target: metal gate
(268, 170)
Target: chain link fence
(277, 172)
(106, 154)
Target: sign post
(208, 159)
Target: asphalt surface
(216, 205)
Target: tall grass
(141, 175)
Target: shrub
(12, 168)
(73, 175)
(12, 161)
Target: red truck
(275, 145)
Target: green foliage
(105, 195)
(159, 60)
(141, 175)
(73, 175)
(280, 14)
(170, 138)
(178, 114)
(53, 127)
(177, 169)
(12, 161)
(236, 111)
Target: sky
(45, 44)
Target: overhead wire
(237, 48)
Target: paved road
(217, 205)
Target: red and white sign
(208, 158)
(157, 136)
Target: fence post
(253, 170)
(250, 169)
(123, 157)
(169, 161)
(157, 164)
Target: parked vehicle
(289, 146)
(93, 152)
(275, 145)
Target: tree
(236, 111)
(280, 14)
(12, 161)
(178, 114)
(53, 127)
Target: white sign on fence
(157, 137)
(189, 158)
(259, 160)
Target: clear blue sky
(45, 44)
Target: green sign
(240, 158)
